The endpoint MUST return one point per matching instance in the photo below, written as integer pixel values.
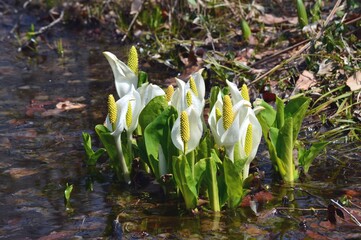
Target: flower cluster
(177, 141)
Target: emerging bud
(228, 114)
(193, 86)
(184, 127)
(248, 144)
(129, 115)
(133, 60)
(189, 98)
(244, 92)
(169, 92)
(112, 110)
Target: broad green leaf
(158, 133)
(108, 141)
(233, 180)
(183, 177)
(213, 96)
(280, 118)
(199, 169)
(273, 135)
(152, 110)
(284, 150)
(266, 117)
(297, 108)
(277, 163)
(306, 157)
(205, 146)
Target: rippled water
(41, 151)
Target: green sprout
(302, 14)
(67, 193)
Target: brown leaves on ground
(270, 19)
(306, 80)
(354, 82)
(53, 108)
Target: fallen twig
(133, 21)
(47, 27)
(352, 216)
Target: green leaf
(213, 96)
(108, 141)
(158, 133)
(152, 110)
(199, 169)
(246, 31)
(92, 157)
(284, 150)
(266, 117)
(67, 191)
(302, 14)
(234, 183)
(205, 146)
(280, 118)
(297, 108)
(182, 174)
(306, 157)
(87, 144)
(142, 78)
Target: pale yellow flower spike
(129, 115)
(244, 92)
(133, 60)
(248, 144)
(193, 86)
(112, 110)
(189, 98)
(228, 114)
(184, 129)
(169, 92)
(218, 114)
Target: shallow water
(41, 151)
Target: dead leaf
(354, 82)
(20, 172)
(306, 80)
(67, 105)
(271, 19)
(325, 68)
